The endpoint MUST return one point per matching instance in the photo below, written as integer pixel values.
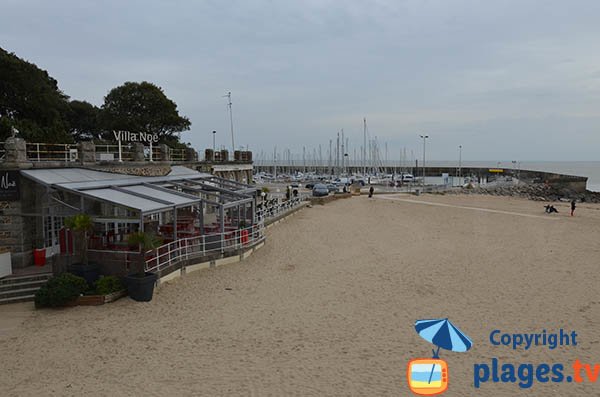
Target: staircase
(21, 288)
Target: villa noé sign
(9, 186)
(126, 136)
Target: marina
(271, 198)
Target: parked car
(320, 190)
(332, 187)
(309, 185)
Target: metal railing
(199, 246)
(51, 152)
(278, 208)
(177, 154)
(109, 152)
(156, 153)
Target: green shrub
(109, 284)
(60, 290)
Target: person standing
(371, 190)
(572, 207)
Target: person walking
(371, 190)
(573, 206)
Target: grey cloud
(300, 71)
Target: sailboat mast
(364, 146)
(330, 155)
(337, 154)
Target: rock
(535, 192)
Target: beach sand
(327, 307)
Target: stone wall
(20, 231)
(13, 237)
(139, 169)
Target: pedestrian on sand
(572, 207)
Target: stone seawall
(537, 192)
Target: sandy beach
(327, 307)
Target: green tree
(84, 121)
(142, 107)
(31, 102)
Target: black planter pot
(141, 288)
(90, 272)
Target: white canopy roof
(136, 192)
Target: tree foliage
(31, 102)
(143, 107)
(84, 121)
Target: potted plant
(39, 254)
(140, 285)
(81, 225)
(107, 289)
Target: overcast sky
(507, 80)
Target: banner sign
(9, 186)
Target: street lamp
(424, 138)
(346, 157)
(459, 161)
(214, 147)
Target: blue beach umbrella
(442, 333)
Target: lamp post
(459, 161)
(424, 138)
(214, 146)
(346, 162)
